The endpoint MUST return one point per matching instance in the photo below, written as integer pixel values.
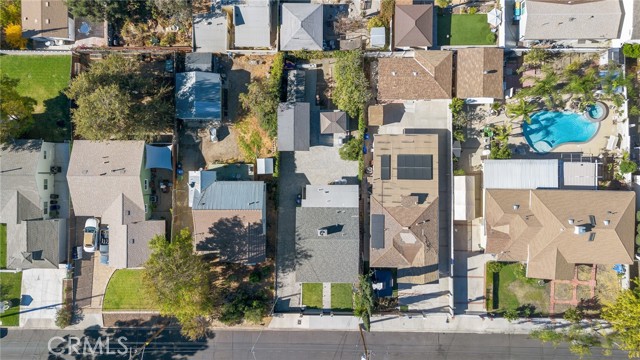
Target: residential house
(413, 26)
(33, 200)
(425, 75)
(578, 21)
(252, 25)
(301, 27)
(479, 74)
(47, 20)
(210, 32)
(327, 236)
(553, 230)
(229, 217)
(294, 128)
(404, 207)
(110, 180)
(198, 97)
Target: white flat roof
(334, 196)
(521, 174)
(580, 174)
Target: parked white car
(90, 240)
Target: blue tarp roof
(158, 157)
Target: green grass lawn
(463, 29)
(341, 297)
(512, 292)
(43, 78)
(312, 295)
(126, 291)
(10, 289)
(3, 246)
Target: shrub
(352, 149)
(458, 172)
(456, 106)
(520, 271)
(628, 167)
(573, 315)
(511, 315)
(459, 135)
(473, 10)
(495, 266)
(64, 316)
(631, 50)
(255, 277)
(169, 39)
(491, 37)
(374, 22)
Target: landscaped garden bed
(464, 29)
(509, 289)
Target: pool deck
(471, 155)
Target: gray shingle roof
(332, 258)
(580, 20)
(232, 195)
(198, 96)
(198, 61)
(332, 122)
(294, 127)
(301, 27)
(252, 23)
(18, 167)
(43, 240)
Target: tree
(179, 281)
(511, 315)
(387, 9)
(548, 335)
(363, 301)
(179, 10)
(111, 11)
(116, 99)
(456, 106)
(624, 317)
(536, 57)
(631, 50)
(9, 12)
(443, 3)
(352, 149)
(13, 36)
(545, 87)
(521, 109)
(351, 92)
(15, 110)
(582, 84)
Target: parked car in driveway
(90, 239)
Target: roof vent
(486, 72)
(571, 221)
(516, 206)
(415, 73)
(393, 73)
(322, 232)
(607, 222)
(579, 230)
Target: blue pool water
(549, 129)
(595, 111)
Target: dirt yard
(239, 72)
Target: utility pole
(146, 343)
(365, 356)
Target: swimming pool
(597, 111)
(550, 129)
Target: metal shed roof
(580, 175)
(521, 174)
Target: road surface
(275, 345)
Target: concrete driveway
(41, 297)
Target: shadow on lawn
(54, 124)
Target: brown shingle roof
(413, 26)
(46, 18)
(410, 209)
(534, 226)
(479, 73)
(427, 75)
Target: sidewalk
(428, 323)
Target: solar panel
(377, 231)
(385, 163)
(415, 167)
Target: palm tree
(521, 109)
(583, 85)
(545, 87)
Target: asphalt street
(273, 345)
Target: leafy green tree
(116, 100)
(582, 84)
(352, 149)
(545, 86)
(109, 10)
(536, 57)
(351, 92)
(363, 301)
(573, 315)
(244, 304)
(387, 9)
(631, 50)
(521, 109)
(624, 317)
(511, 315)
(548, 335)
(179, 10)
(456, 106)
(179, 281)
(15, 110)
(9, 13)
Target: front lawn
(312, 295)
(43, 78)
(3, 246)
(510, 289)
(463, 29)
(341, 297)
(10, 290)
(126, 291)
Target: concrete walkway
(428, 323)
(101, 275)
(326, 296)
